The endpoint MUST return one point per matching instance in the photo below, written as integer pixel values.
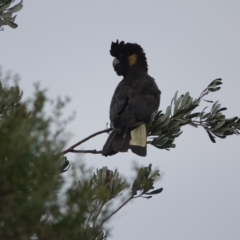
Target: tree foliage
(7, 10)
(165, 128)
(34, 199)
(35, 202)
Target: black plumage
(134, 100)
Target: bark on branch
(71, 149)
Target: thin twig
(99, 211)
(93, 211)
(86, 151)
(90, 215)
(104, 220)
(71, 149)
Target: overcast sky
(65, 45)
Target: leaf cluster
(144, 182)
(81, 214)
(29, 164)
(216, 124)
(88, 204)
(34, 200)
(165, 128)
(6, 13)
(9, 99)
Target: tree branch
(164, 128)
(104, 220)
(86, 151)
(71, 149)
(98, 212)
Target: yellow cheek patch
(132, 59)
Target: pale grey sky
(65, 46)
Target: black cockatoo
(134, 100)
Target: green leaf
(220, 136)
(66, 166)
(221, 109)
(155, 132)
(177, 134)
(185, 99)
(215, 82)
(162, 125)
(163, 141)
(206, 115)
(155, 191)
(212, 138)
(148, 197)
(11, 24)
(16, 8)
(178, 113)
(189, 102)
(152, 117)
(159, 120)
(194, 115)
(209, 101)
(216, 107)
(6, 15)
(219, 125)
(175, 97)
(5, 6)
(167, 114)
(177, 103)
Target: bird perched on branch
(134, 100)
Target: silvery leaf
(11, 24)
(15, 8)
(5, 6)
